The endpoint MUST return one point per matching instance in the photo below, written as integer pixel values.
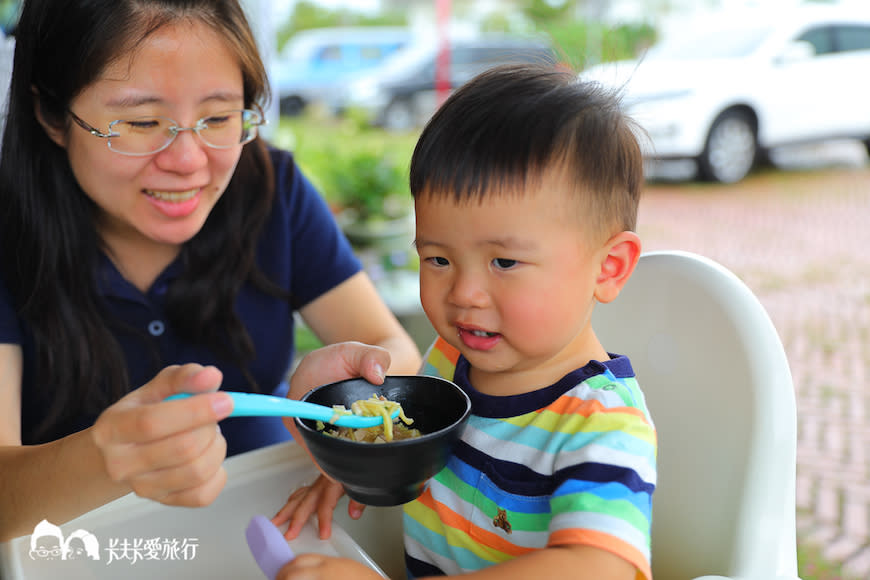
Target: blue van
(315, 62)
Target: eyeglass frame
(175, 129)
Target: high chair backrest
(717, 382)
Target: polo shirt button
(156, 327)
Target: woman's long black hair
(49, 246)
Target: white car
(725, 92)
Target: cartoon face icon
(46, 543)
(47, 548)
(82, 544)
(75, 549)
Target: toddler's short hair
(509, 126)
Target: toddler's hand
(318, 567)
(321, 498)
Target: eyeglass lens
(151, 134)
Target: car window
(821, 38)
(371, 53)
(848, 38)
(330, 53)
(377, 52)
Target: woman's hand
(337, 362)
(172, 451)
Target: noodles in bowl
(391, 472)
(375, 406)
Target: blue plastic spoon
(254, 405)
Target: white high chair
(718, 385)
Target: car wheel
(731, 149)
(399, 116)
(291, 106)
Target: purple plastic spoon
(268, 546)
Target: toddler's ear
(620, 255)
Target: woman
(149, 238)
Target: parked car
(315, 61)
(725, 92)
(401, 94)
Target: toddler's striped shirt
(573, 463)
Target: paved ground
(801, 241)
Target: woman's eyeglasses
(149, 135)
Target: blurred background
(755, 122)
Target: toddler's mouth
(477, 339)
(479, 332)
(482, 333)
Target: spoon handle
(256, 405)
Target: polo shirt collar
(111, 284)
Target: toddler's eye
(438, 261)
(504, 263)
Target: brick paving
(800, 240)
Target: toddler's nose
(468, 292)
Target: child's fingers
(355, 509)
(290, 507)
(330, 495)
(301, 505)
(319, 567)
(319, 498)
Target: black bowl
(392, 473)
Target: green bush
(371, 185)
(353, 166)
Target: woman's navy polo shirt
(301, 249)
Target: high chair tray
(140, 538)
